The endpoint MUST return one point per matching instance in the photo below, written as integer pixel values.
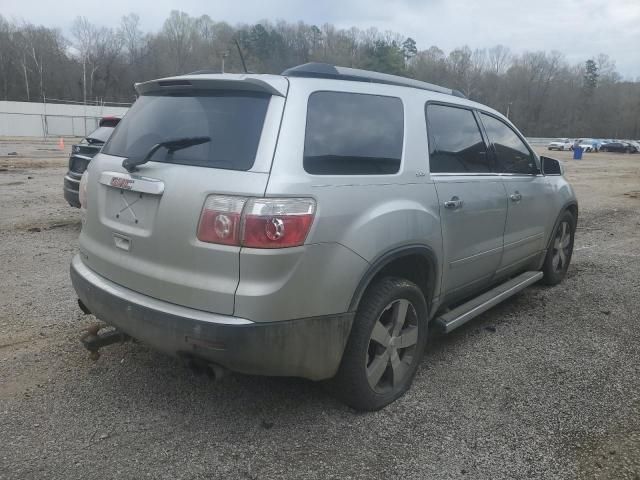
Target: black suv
(81, 155)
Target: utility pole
(223, 55)
(508, 108)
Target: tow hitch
(93, 340)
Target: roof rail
(204, 72)
(325, 70)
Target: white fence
(30, 119)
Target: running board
(474, 307)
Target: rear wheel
(386, 344)
(560, 251)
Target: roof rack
(325, 70)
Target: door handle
(454, 203)
(515, 197)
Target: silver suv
(314, 224)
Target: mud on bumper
(310, 348)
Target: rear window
(100, 135)
(232, 120)
(353, 134)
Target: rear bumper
(71, 189)
(311, 347)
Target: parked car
(589, 145)
(635, 144)
(315, 237)
(618, 147)
(81, 155)
(561, 144)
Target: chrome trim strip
(490, 174)
(136, 183)
(465, 174)
(148, 302)
(473, 258)
(72, 180)
(82, 157)
(529, 239)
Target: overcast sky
(580, 29)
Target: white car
(589, 145)
(560, 144)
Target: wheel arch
(417, 263)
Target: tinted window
(100, 135)
(513, 156)
(455, 143)
(232, 120)
(353, 134)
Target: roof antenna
(244, 65)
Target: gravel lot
(546, 385)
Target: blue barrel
(577, 153)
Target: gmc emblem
(124, 183)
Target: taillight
(82, 190)
(256, 222)
(277, 222)
(220, 220)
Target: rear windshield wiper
(170, 145)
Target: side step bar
(474, 307)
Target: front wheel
(386, 344)
(560, 251)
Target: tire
(560, 250)
(358, 383)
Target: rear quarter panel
(367, 214)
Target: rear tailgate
(140, 228)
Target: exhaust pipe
(212, 370)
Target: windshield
(561, 140)
(232, 120)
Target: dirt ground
(545, 385)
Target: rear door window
(512, 154)
(353, 134)
(232, 120)
(455, 141)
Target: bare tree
(132, 37)
(544, 93)
(499, 59)
(179, 32)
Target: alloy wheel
(562, 247)
(392, 346)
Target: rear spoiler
(109, 121)
(271, 84)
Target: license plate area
(134, 209)
(130, 202)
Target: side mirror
(551, 166)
